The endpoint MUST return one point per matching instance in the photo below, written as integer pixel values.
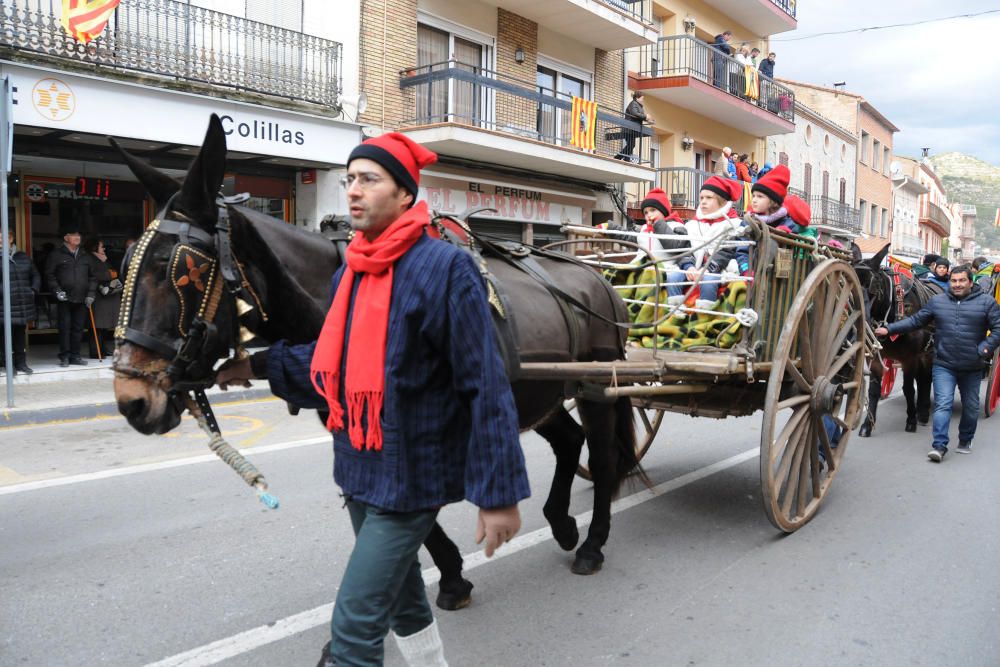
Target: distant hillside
(968, 180)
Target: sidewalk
(54, 393)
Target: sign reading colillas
(262, 130)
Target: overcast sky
(939, 83)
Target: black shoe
(964, 448)
(22, 368)
(64, 363)
(78, 361)
(936, 455)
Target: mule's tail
(628, 461)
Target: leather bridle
(201, 266)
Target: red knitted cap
(774, 184)
(658, 199)
(726, 188)
(401, 156)
(798, 210)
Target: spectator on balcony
(755, 56)
(754, 170)
(763, 171)
(635, 112)
(766, 66)
(743, 168)
(737, 74)
(719, 58)
(724, 164)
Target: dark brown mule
(914, 351)
(290, 271)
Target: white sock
(422, 648)
(704, 304)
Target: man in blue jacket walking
(961, 319)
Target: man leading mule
(419, 404)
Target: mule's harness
(198, 278)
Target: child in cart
(660, 220)
(716, 217)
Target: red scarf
(365, 370)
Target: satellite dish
(895, 169)
(357, 104)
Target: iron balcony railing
(834, 213)
(931, 212)
(787, 6)
(182, 41)
(686, 55)
(682, 185)
(453, 92)
(641, 10)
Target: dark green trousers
(382, 588)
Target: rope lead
(229, 454)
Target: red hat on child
(401, 156)
(774, 184)
(798, 210)
(657, 199)
(726, 188)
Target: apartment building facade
(272, 71)
(491, 87)
(963, 234)
(822, 158)
(873, 188)
(704, 100)
(935, 217)
(906, 233)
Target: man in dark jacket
(721, 46)
(25, 283)
(961, 319)
(766, 66)
(70, 275)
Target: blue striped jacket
(450, 429)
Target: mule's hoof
(454, 595)
(568, 537)
(865, 432)
(587, 565)
(911, 427)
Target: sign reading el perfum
(508, 203)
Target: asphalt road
(120, 549)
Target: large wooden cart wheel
(647, 423)
(814, 394)
(888, 376)
(993, 386)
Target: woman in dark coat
(107, 301)
(25, 282)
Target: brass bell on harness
(242, 307)
(245, 334)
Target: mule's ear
(159, 186)
(876, 261)
(203, 180)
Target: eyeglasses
(366, 180)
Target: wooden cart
(802, 364)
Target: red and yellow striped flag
(84, 20)
(583, 115)
(996, 220)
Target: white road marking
(152, 467)
(244, 642)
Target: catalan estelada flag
(996, 220)
(83, 20)
(752, 77)
(583, 115)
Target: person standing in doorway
(69, 272)
(421, 409)
(25, 283)
(961, 317)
